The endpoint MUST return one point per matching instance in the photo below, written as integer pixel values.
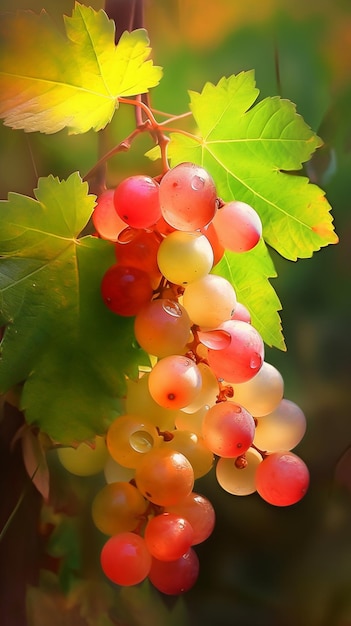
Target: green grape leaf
(253, 152)
(50, 80)
(249, 273)
(60, 339)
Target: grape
(209, 301)
(138, 248)
(137, 201)
(125, 559)
(164, 476)
(85, 460)
(106, 222)
(194, 449)
(125, 290)
(282, 478)
(261, 394)
(191, 421)
(199, 512)
(238, 479)
(238, 226)
(162, 327)
(168, 536)
(228, 429)
(114, 472)
(175, 577)
(174, 381)
(129, 438)
(241, 313)
(117, 507)
(244, 355)
(188, 197)
(217, 248)
(140, 402)
(208, 392)
(282, 429)
(184, 257)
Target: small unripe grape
(184, 257)
(188, 197)
(137, 201)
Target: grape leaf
(60, 339)
(249, 273)
(49, 81)
(253, 152)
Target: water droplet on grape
(141, 441)
(172, 307)
(197, 183)
(255, 361)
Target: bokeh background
(262, 565)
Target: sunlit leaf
(253, 152)
(60, 338)
(50, 80)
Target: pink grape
(228, 429)
(168, 536)
(107, 223)
(198, 510)
(162, 327)
(242, 313)
(175, 381)
(188, 197)
(137, 201)
(175, 577)
(282, 478)
(238, 226)
(125, 290)
(125, 559)
(242, 358)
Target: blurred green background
(263, 565)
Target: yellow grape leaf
(50, 80)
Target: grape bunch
(209, 402)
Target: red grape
(137, 201)
(175, 577)
(125, 290)
(125, 559)
(282, 478)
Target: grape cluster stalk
(209, 401)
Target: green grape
(85, 460)
(208, 393)
(164, 476)
(117, 508)
(183, 257)
(191, 421)
(162, 327)
(175, 381)
(261, 394)
(129, 438)
(140, 402)
(209, 301)
(115, 472)
(237, 476)
(194, 449)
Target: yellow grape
(117, 507)
(85, 460)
